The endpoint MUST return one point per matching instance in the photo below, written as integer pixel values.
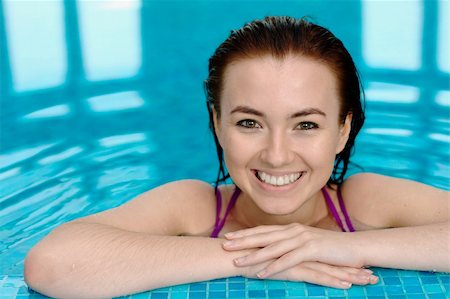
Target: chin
(275, 207)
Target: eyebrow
(304, 112)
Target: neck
(309, 213)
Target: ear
(344, 133)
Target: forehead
(293, 81)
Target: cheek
(321, 152)
(237, 152)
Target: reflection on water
(117, 106)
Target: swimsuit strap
(220, 223)
(334, 212)
(344, 210)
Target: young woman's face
(279, 128)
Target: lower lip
(272, 188)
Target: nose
(277, 151)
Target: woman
(285, 109)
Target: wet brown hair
(280, 37)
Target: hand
(290, 245)
(314, 272)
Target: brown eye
(307, 125)
(248, 123)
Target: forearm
(102, 261)
(415, 248)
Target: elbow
(39, 270)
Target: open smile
(278, 180)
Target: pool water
(104, 100)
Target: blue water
(102, 101)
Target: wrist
(358, 249)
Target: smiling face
(279, 128)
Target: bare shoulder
(175, 208)
(383, 201)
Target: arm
(133, 248)
(425, 247)
(420, 240)
(416, 217)
(89, 260)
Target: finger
(284, 262)
(349, 274)
(258, 240)
(316, 277)
(254, 230)
(273, 251)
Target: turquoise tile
(256, 285)
(315, 291)
(429, 280)
(394, 290)
(236, 294)
(416, 296)
(237, 278)
(335, 292)
(178, 295)
(386, 272)
(197, 295)
(145, 295)
(257, 294)
(432, 288)
(218, 294)
(375, 290)
(160, 295)
(413, 289)
(201, 286)
(296, 292)
(275, 293)
(236, 286)
(180, 288)
(222, 286)
(356, 291)
(411, 280)
(407, 273)
(295, 285)
(275, 284)
(391, 280)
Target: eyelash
(245, 124)
(304, 126)
(310, 125)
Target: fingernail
(229, 235)
(239, 261)
(373, 279)
(364, 277)
(262, 274)
(368, 271)
(229, 243)
(346, 284)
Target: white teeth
(272, 180)
(278, 180)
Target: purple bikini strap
(344, 210)
(332, 208)
(218, 210)
(220, 223)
